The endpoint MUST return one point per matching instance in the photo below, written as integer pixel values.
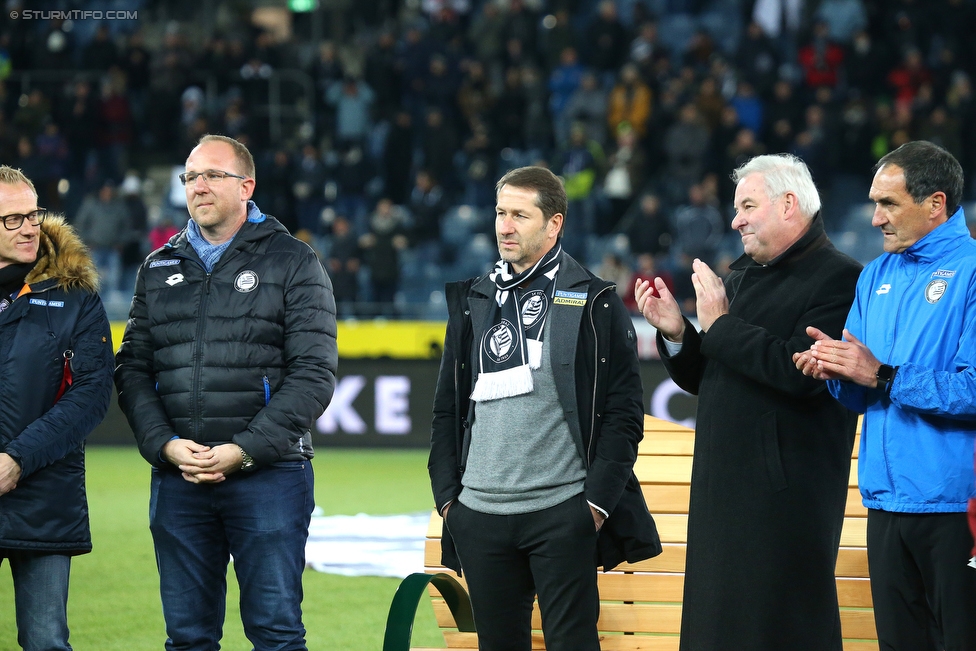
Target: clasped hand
(834, 359)
(202, 464)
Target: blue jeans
(260, 518)
(41, 599)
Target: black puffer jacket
(48, 511)
(246, 353)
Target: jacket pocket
(769, 439)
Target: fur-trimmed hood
(64, 257)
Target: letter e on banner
(393, 404)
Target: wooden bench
(640, 604)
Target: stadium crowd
(405, 113)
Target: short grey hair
(784, 173)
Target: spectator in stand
(440, 144)
(441, 88)
(557, 36)
(134, 62)
(509, 114)
(486, 35)
(161, 233)
(686, 146)
(275, 193)
(821, 58)
(52, 149)
(613, 269)
(78, 121)
(309, 185)
(647, 269)
(748, 107)
(343, 264)
(758, 59)
(630, 101)
(647, 228)
(382, 246)
(699, 227)
(646, 50)
(32, 165)
(381, 74)
(134, 250)
(844, 18)
(625, 175)
(563, 82)
(101, 52)
(710, 102)
(908, 77)
(103, 224)
(588, 106)
(521, 24)
(353, 176)
(608, 41)
(866, 64)
(114, 134)
(581, 165)
(476, 97)
(398, 156)
(427, 207)
(353, 101)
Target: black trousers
(507, 559)
(924, 593)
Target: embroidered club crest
(935, 289)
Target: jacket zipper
(198, 357)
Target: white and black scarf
(511, 345)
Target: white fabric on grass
(367, 545)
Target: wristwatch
(247, 461)
(885, 377)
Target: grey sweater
(522, 456)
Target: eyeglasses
(209, 177)
(15, 221)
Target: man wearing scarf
(537, 417)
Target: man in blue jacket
(908, 363)
(52, 329)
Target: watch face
(885, 373)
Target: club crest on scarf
(511, 346)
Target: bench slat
(674, 498)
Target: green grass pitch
(114, 598)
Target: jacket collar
(947, 235)
(813, 239)
(62, 259)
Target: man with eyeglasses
(55, 386)
(228, 358)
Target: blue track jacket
(917, 310)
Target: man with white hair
(772, 449)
